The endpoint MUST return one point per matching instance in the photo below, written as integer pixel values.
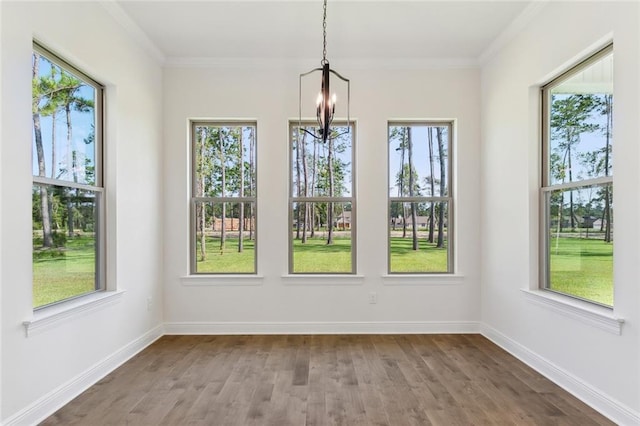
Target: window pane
(225, 237)
(423, 150)
(224, 161)
(64, 122)
(321, 238)
(581, 243)
(310, 159)
(581, 124)
(65, 228)
(419, 248)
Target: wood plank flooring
(325, 380)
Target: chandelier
(326, 102)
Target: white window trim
(585, 312)
(63, 312)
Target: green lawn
(316, 256)
(61, 273)
(583, 268)
(427, 258)
(579, 267)
(229, 260)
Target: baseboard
(51, 402)
(391, 327)
(607, 406)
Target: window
(322, 208)
(420, 198)
(223, 201)
(68, 189)
(577, 181)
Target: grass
(428, 258)
(229, 260)
(316, 256)
(65, 272)
(583, 268)
(579, 267)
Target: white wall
(36, 368)
(587, 357)
(257, 91)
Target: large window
(577, 181)
(68, 192)
(223, 202)
(322, 205)
(420, 198)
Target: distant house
(343, 221)
(421, 221)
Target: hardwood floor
(320, 379)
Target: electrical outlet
(373, 297)
(149, 303)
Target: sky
(81, 129)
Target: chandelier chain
(324, 35)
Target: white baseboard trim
(51, 402)
(374, 327)
(607, 406)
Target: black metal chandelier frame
(326, 104)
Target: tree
(569, 119)
(414, 217)
(241, 194)
(442, 155)
(38, 95)
(431, 183)
(201, 221)
(330, 171)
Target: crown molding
(303, 63)
(512, 30)
(132, 29)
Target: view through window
(223, 210)
(322, 203)
(67, 194)
(420, 199)
(577, 187)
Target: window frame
(449, 198)
(546, 188)
(193, 199)
(100, 280)
(323, 199)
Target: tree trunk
(607, 191)
(47, 238)
(432, 212)
(251, 183)
(414, 217)
(241, 213)
(313, 187)
(441, 155)
(305, 176)
(200, 191)
(70, 164)
(330, 205)
(298, 183)
(223, 224)
(401, 192)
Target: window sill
(48, 317)
(597, 316)
(323, 279)
(422, 279)
(221, 280)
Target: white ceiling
(289, 30)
